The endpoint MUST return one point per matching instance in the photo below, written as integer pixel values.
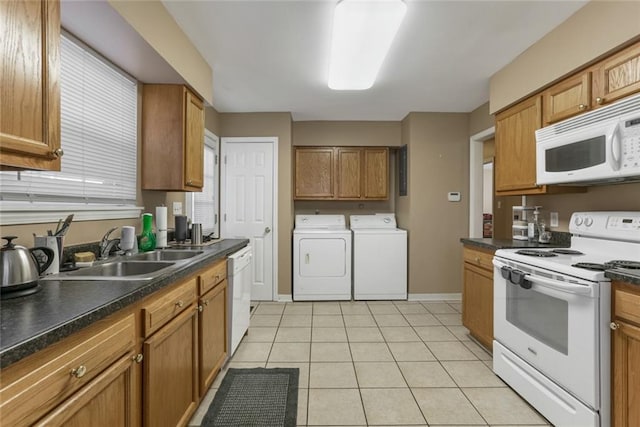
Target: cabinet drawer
(213, 276)
(478, 258)
(166, 307)
(627, 305)
(33, 388)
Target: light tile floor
(379, 363)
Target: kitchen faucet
(106, 245)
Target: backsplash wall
(618, 197)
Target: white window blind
(98, 136)
(204, 204)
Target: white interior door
(248, 207)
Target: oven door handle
(559, 286)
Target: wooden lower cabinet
(625, 337)
(170, 389)
(109, 400)
(213, 334)
(477, 295)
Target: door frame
(476, 163)
(274, 205)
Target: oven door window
(576, 156)
(541, 316)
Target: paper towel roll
(161, 239)
(161, 218)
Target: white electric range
(552, 309)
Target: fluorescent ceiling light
(362, 34)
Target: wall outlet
(177, 208)
(553, 219)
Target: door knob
(267, 230)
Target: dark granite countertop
(31, 323)
(558, 240)
(624, 274)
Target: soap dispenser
(148, 237)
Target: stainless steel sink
(165, 255)
(117, 270)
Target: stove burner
(633, 265)
(531, 252)
(589, 266)
(567, 252)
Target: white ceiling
(272, 55)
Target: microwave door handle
(559, 286)
(615, 143)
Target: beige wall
(154, 23)
(480, 119)
(618, 197)
(272, 124)
(347, 133)
(438, 157)
(591, 32)
(212, 120)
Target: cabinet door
(477, 303)
(170, 386)
(109, 400)
(194, 142)
(568, 98)
(515, 165)
(349, 172)
(30, 84)
(617, 76)
(626, 376)
(213, 334)
(376, 173)
(314, 169)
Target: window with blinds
(98, 136)
(202, 207)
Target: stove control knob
(578, 221)
(588, 221)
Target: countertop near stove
(31, 323)
(624, 274)
(558, 240)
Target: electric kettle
(19, 268)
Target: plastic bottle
(148, 237)
(534, 230)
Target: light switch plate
(453, 196)
(177, 208)
(553, 219)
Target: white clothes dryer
(379, 258)
(321, 258)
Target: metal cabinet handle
(79, 371)
(206, 302)
(137, 358)
(58, 152)
(599, 101)
(190, 182)
(180, 304)
(200, 308)
(614, 326)
(582, 107)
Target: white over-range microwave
(601, 146)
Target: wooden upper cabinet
(376, 173)
(568, 98)
(617, 76)
(341, 173)
(172, 139)
(515, 162)
(30, 85)
(349, 176)
(314, 173)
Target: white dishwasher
(239, 294)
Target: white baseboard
(435, 297)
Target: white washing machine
(321, 258)
(379, 258)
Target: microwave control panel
(631, 144)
